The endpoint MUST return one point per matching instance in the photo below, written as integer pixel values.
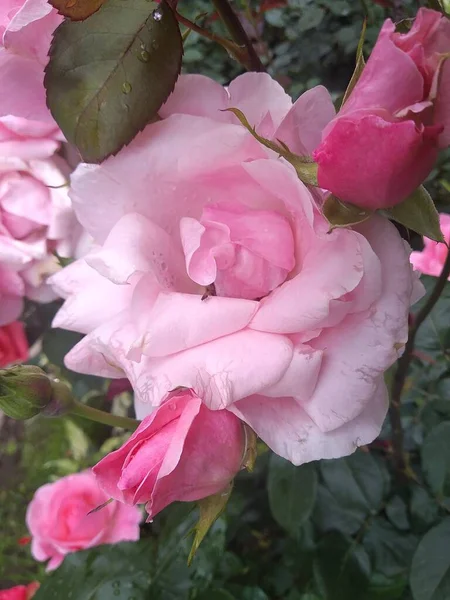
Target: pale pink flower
(306, 321)
(36, 217)
(26, 28)
(59, 521)
(430, 261)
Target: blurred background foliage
(346, 529)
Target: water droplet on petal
(157, 15)
(126, 87)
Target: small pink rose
(431, 259)
(385, 140)
(182, 451)
(59, 521)
(13, 344)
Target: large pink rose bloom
(182, 451)
(431, 259)
(36, 217)
(59, 523)
(384, 142)
(26, 27)
(304, 323)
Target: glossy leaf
(342, 568)
(430, 571)
(108, 75)
(292, 493)
(419, 214)
(436, 459)
(77, 10)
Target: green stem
(99, 416)
(237, 32)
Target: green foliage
(134, 71)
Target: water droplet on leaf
(157, 15)
(126, 87)
(144, 56)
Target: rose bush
(182, 451)
(385, 140)
(431, 259)
(13, 344)
(59, 521)
(26, 27)
(36, 218)
(304, 321)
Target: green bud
(24, 391)
(62, 400)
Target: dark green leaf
(390, 551)
(419, 214)
(120, 572)
(342, 214)
(386, 588)
(342, 568)
(215, 595)
(397, 513)
(423, 508)
(353, 488)
(433, 336)
(430, 572)
(436, 459)
(292, 493)
(108, 76)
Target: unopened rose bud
(24, 391)
(61, 402)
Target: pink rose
(182, 451)
(385, 140)
(13, 344)
(36, 217)
(305, 322)
(432, 258)
(59, 521)
(26, 27)
(20, 592)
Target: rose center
(245, 253)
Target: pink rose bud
(385, 140)
(182, 451)
(60, 520)
(13, 344)
(432, 258)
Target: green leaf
(436, 459)
(343, 214)
(433, 336)
(423, 508)
(386, 588)
(108, 75)
(360, 64)
(215, 595)
(120, 572)
(353, 488)
(292, 493)
(341, 568)
(210, 510)
(430, 571)
(397, 513)
(306, 168)
(419, 214)
(390, 551)
(78, 440)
